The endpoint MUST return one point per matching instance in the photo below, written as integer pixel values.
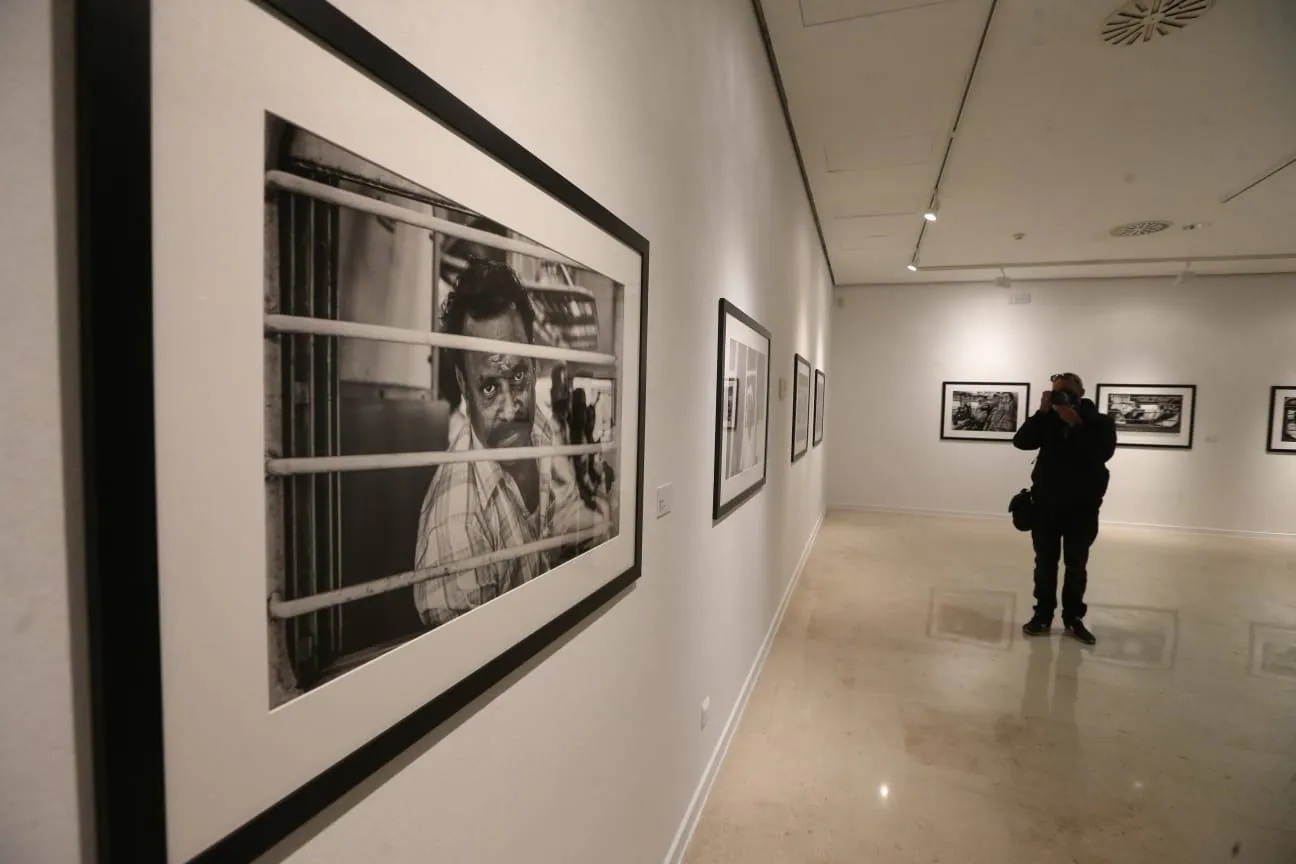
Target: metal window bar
(365, 204)
(383, 333)
(280, 608)
(381, 461)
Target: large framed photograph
(365, 425)
(821, 386)
(1150, 415)
(742, 410)
(1282, 420)
(802, 402)
(983, 411)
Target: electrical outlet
(664, 499)
(706, 711)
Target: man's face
(499, 389)
(1069, 385)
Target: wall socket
(664, 499)
(706, 711)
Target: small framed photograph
(983, 411)
(821, 385)
(1282, 420)
(801, 399)
(1150, 415)
(742, 410)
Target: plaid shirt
(475, 508)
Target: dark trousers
(1063, 530)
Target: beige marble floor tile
(901, 716)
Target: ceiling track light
(913, 268)
(930, 213)
(1185, 275)
(1002, 280)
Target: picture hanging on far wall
(802, 399)
(983, 411)
(1150, 415)
(1282, 420)
(742, 410)
(392, 421)
(821, 385)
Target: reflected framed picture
(1150, 415)
(742, 410)
(1273, 651)
(1282, 420)
(821, 386)
(802, 402)
(983, 411)
(364, 434)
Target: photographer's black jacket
(1072, 463)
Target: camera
(1064, 397)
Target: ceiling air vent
(1144, 20)
(1139, 229)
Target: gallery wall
(667, 114)
(39, 545)
(1230, 336)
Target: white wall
(1231, 336)
(39, 540)
(666, 113)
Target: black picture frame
(720, 507)
(1024, 409)
(820, 393)
(115, 260)
(1273, 435)
(801, 403)
(1189, 390)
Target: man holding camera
(1068, 484)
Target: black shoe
(1081, 632)
(1038, 627)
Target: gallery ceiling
(1073, 117)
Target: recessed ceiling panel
(879, 152)
(815, 12)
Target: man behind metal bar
(476, 508)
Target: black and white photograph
(742, 410)
(389, 431)
(802, 399)
(1150, 415)
(1273, 651)
(983, 411)
(398, 502)
(821, 387)
(1282, 420)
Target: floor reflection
(1273, 653)
(975, 617)
(1134, 635)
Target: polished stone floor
(902, 717)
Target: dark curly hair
(486, 289)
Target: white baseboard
(703, 791)
(961, 514)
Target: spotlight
(913, 268)
(930, 213)
(1185, 275)
(1002, 280)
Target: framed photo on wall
(802, 401)
(973, 411)
(1150, 415)
(742, 410)
(331, 311)
(821, 386)
(1282, 420)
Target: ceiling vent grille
(1141, 21)
(1140, 229)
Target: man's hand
(1069, 414)
(1046, 401)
